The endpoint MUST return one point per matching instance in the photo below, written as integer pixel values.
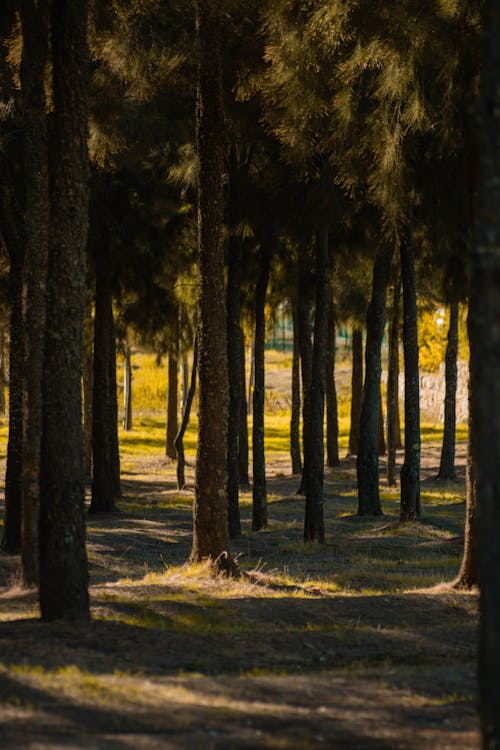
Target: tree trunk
(367, 460)
(259, 491)
(485, 371)
(103, 476)
(356, 390)
(468, 575)
(3, 372)
(306, 350)
(172, 400)
(314, 527)
(210, 515)
(88, 390)
(184, 382)
(243, 423)
(251, 377)
(381, 435)
(127, 387)
(332, 421)
(447, 463)
(410, 472)
(113, 408)
(63, 560)
(179, 438)
(295, 416)
(235, 259)
(34, 19)
(393, 388)
(11, 542)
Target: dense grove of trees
(315, 154)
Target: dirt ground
(359, 643)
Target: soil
(358, 643)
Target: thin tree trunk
(468, 575)
(447, 463)
(381, 435)
(367, 460)
(251, 377)
(314, 526)
(410, 472)
(356, 390)
(127, 388)
(243, 423)
(184, 382)
(306, 351)
(210, 515)
(34, 19)
(235, 259)
(295, 416)
(113, 408)
(393, 388)
(172, 400)
(3, 373)
(88, 390)
(179, 438)
(259, 490)
(332, 421)
(63, 560)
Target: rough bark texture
(314, 453)
(393, 388)
(172, 400)
(367, 460)
(259, 491)
(484, 333)
(104, 493)
(34, 18)
(179, 438)
(235, 259)
(332, 421)
(127, 388)
(356, 389)
(63, 561)
(304, 308)
(211, 531)
(11, 541)
(295, 415)
(447, 462)
(410, 472)
(243, 424)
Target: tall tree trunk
(447, 463)
(172, 399)
(113, 408)
(356, 390)
(103, 476)
(243, 423)
(235, 259)
(295, 415)
(3, 372)
(11, 542)
(332, 421)
(251, 377)
(211, 529)
(367, 460)
(63, 561)
(34, 19)
(259, 490)
(314, 526)
(393, 388)
(179, 438)
(468, 575)
(184, 381)
(410, 472)
(306, 349)
(88, 389)
(381, 435)
(485, 371)
(127, 387)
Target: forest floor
(357, 643)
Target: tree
(447, 461)
(63, 562)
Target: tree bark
(314, 453)
(468, 575)
(484, 331)
(259, 490)
(127, 387)
(63, 561)
(410, 472)
(235, 259)
(447, 463)
(3, 373)
(332, 421)
(88, 390)
(367, 460)
(295, 415)
(34, 19)
(113, 408)
(210, 515)
(243, 423)
(179, 438)
(393, 388)
(381, 435)
(356, 390)
(172, 400)
(306, 350)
